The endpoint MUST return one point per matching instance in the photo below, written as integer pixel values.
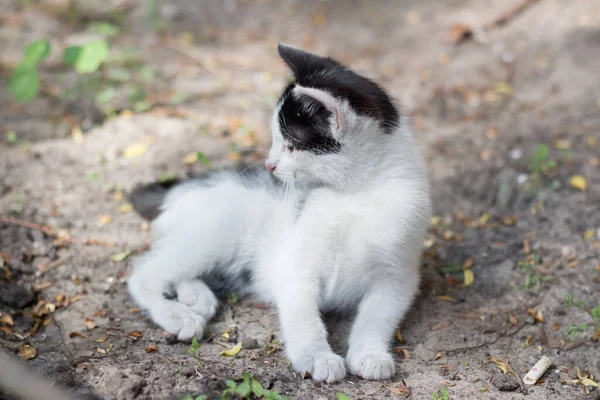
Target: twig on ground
(461, 32)
(484, 344)
(510, 369)
(51, 232)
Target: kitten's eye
(290, 148)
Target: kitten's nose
(270, 166)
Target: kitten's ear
(300, 62)
(332, 104)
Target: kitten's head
(328, 122)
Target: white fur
(352, 242)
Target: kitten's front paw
(178, 319)
(323, 366)
(371, 365)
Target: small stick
(51, 232)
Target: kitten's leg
(379, 313)
(304, 332)
(155, 277)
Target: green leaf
(11, 137)
(36, 52)
(230, 383)
(596, 312)
(203, 159)
(24, 83)
(232, 351)
(257, 388)
(195, 344)
(104, 28)
(186, 397)
(202, 397)
(445, 394)
(541, 153)
(91, 56)
(342, 396)
(244, 389)
(70, 55)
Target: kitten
(335, 222)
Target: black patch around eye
(307, 131)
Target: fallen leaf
(122, 256)
(441, 325)
(555, 326)
(135, 335)
(102, 339)
(232, 351)
(103, 220)
(190, 158)
(537, 315)
(399, 336)
(27, 352)
(402, 352)
(6, 330)
(77, 334)
(42, 285)
(399, 390)
(437, 356)
(529, 341)
(588, 235)
(578, 182)
(77, 135)
(469, 277)
(7, 319)
(562, 144)
(501, 364)
(459, 32)
(125, 208)
(135, 150)
(134, 310)
(447, 298)
(512, 319)
(468, 263)
(484, 219)
(89, 323)
(151, 349)
(225, 335)
(503, 88)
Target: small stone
(249, 343)
(505, 382)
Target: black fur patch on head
(305, 124)
(365, 96)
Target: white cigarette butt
(537, 371)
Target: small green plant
(233, 298)
(576, 330)
(534, 278)
(342, 396)
(441, 394)
(246, 388)
(539, 161)
(194, 347)
(188, 397)
(24, 83)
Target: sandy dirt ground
(480, 109)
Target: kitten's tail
(148, 199)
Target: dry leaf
(77, 135)
(469, 277)
(135, 335)
(399, 390)
(447, 298)
(232, 351)
(441, 325)
(134, 310)
(89, 323)
(555, 326)
(588, 235)
(125, 208)
(484, 219)
(102, 339)
(77, 334)
(537, 315)
(562, 144)
(578, 182)
(190, 158)
(122, 256)
(135, 150)
(151, 349)
(6, 319)
(468, 263)
(27, 352)
(459, 32)
(437, 356)
(501, 364)
(103, 220)
(42, 285)
(399, 336)
(512, 319)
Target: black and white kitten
(336, 222)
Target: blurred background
(504, 96)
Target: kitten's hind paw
(371, 365)
(179, 320)
(326, 367)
